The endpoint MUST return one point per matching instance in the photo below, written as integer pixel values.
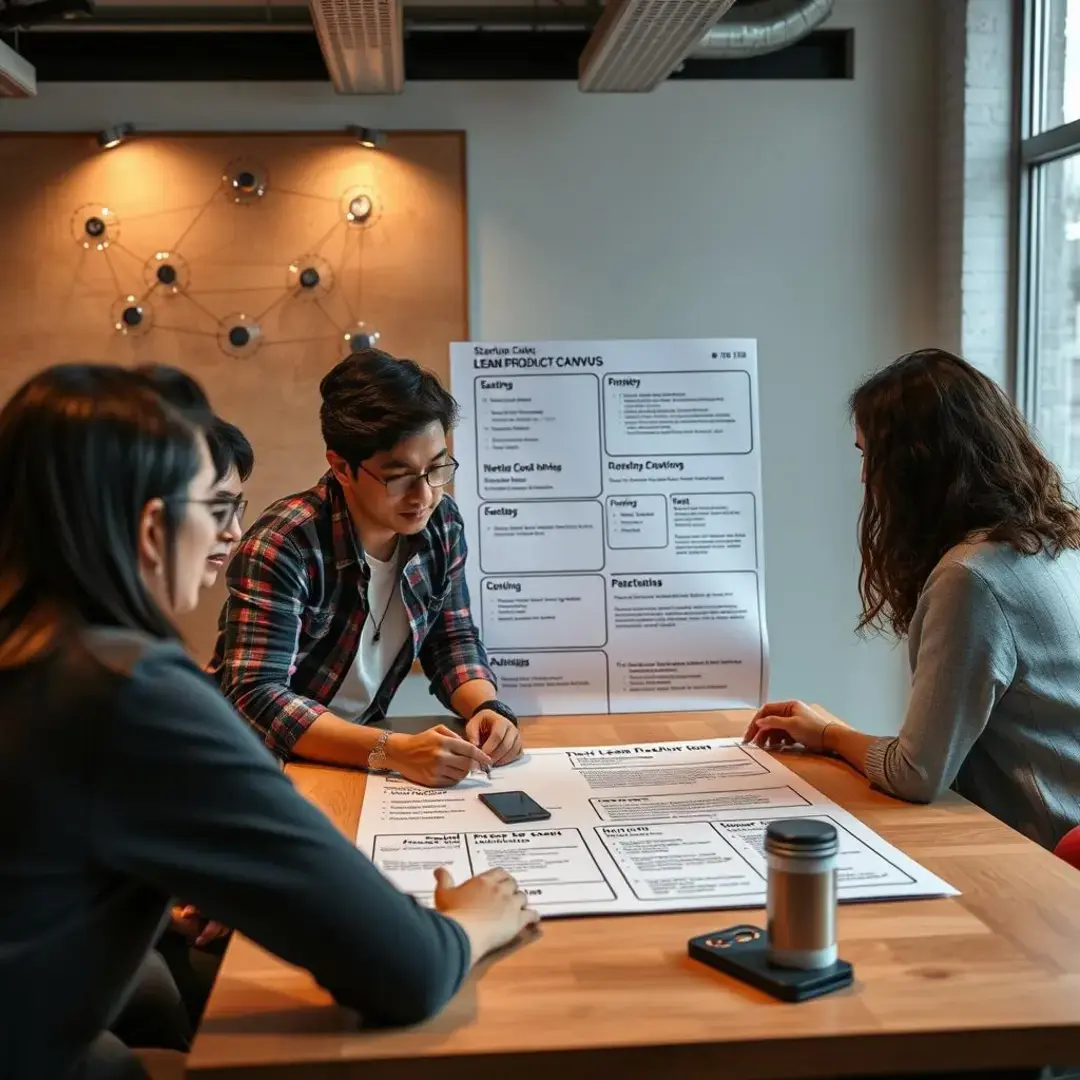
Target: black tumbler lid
(801, 837)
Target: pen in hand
(485, 731)
(485, 769)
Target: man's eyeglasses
(438, 476)
(223, 510)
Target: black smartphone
(743, 952)
(514, 807)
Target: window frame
(1036, 147)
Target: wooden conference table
(988, 980)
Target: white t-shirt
(387, 614)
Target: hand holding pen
(438, 757)
(483, 764)
(495, 735)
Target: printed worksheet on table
(643, 827)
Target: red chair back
(1069, 847)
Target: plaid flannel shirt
(289, 631)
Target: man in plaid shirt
(335, 591)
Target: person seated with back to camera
(336, 590)
(969, 548)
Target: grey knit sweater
(995, 701)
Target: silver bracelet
(376, 761)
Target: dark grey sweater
(125, 780)
(995, 696)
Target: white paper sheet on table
(669, 826)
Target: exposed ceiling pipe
(435, 27)
(180, 27)
(747, 30)
(291, 19)
(755, 29)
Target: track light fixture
(372, 138)
(115, 135)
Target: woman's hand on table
(781, 724)
(490, 908)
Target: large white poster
(612, 501)
(645, 827)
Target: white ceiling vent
(362, 43)
(17, 76)
(638, 43)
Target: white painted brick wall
(975, 141)
(951, 39)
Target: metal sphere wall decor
(359, 337)
(309, 277)
(168, 274)
(360, 208)
(132, 316)
(245, 182)
(95, 227)
(240, 335)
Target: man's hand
(495, 735)
(437, 757)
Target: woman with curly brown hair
(969, 549)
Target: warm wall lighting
(115, 135)
(372, 138)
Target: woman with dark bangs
(126, 779)
(969, 549)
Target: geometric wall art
(253, 261)
(167, 274)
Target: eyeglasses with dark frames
(224, 509)
(438, 476)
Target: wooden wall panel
(405, 276)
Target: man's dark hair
(371, 401)
(227, 443)
(229, 446)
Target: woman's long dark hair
(229, 447)
(946, 455)
(83, 449)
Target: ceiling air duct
(17, 76)
(362, 44)
(763, 27)
(638, 43)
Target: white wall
(800, 213)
